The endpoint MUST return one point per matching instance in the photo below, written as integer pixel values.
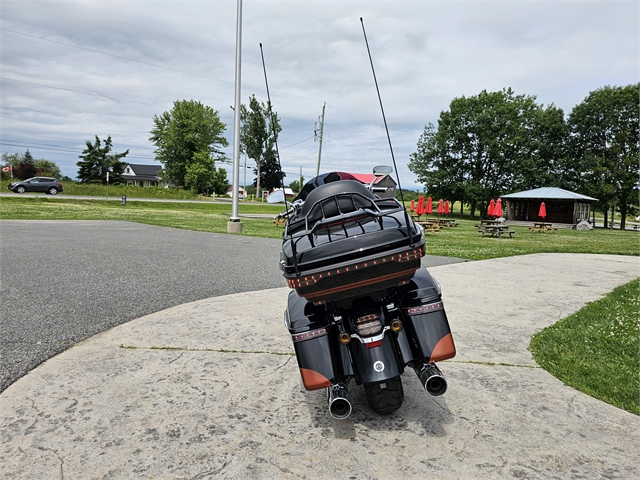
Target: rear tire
(385, 397)
(53, 191)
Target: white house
(241, 191)
(141, 175)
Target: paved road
(63, 281)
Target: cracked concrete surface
(210, 390)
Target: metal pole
(234, 224)
(320, 142)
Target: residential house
(141, 175)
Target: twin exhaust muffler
(429, 375)
(431, 378)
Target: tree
(258, 136)
(201, 175)
(40, 166)
(28, 157)
(297, 185)
(25, 170)
(190, 128)
(271, 176)
(486, 145)
(97, 160)
(605, 145)
(47, 168)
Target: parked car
(36, 184)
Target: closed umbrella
(497, 211)
(413, 205)
(440, 207)
(429, 208)
(542, 213)
(492, 206)
(446, 208)
(420, 209)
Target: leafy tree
(189, 129)
(25, 170)
(487, 145)
(605, 146)
(47, 168)
(297, 185)
(258, 136)
(271, 176)
(97, 160)
(201, 175)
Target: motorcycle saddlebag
(309, 331)
(423, 311)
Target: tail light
(368, 325)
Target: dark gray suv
(37, 184)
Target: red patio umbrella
(446, 208)
(491, 208)
(429, 208)
(420, 209)
(413, 205)
(440, 207)
(497, 211)
(542, 213)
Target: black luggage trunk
(345, 242)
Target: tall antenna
(275, 133)
(406, 216)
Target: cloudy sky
(75, 69)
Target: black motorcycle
(362, 307)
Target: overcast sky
(72, 70)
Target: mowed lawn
(572, 349)
(462, 241)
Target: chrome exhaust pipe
(431, 378)
(338, 398)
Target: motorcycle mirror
(277, 196)
(382, 170)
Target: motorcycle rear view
(362, 308)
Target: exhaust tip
(431, 378)
(338, 399)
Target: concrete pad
(210, 390)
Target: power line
(83, 92)
(55, 148)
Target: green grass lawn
(462, 241)
(595, 350)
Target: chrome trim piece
(375, 338)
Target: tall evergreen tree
(97, 160)
(28, 157)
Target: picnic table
(447, 222)
(542, 227)
(429, 226)
(484, 223)
(496, 231)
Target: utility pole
(319, 126)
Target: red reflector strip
(374, 344)
(403, 257)
(298, 337)
(431, 307)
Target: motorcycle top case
(346, 242)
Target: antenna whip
(388, 136)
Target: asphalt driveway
(64, 281)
